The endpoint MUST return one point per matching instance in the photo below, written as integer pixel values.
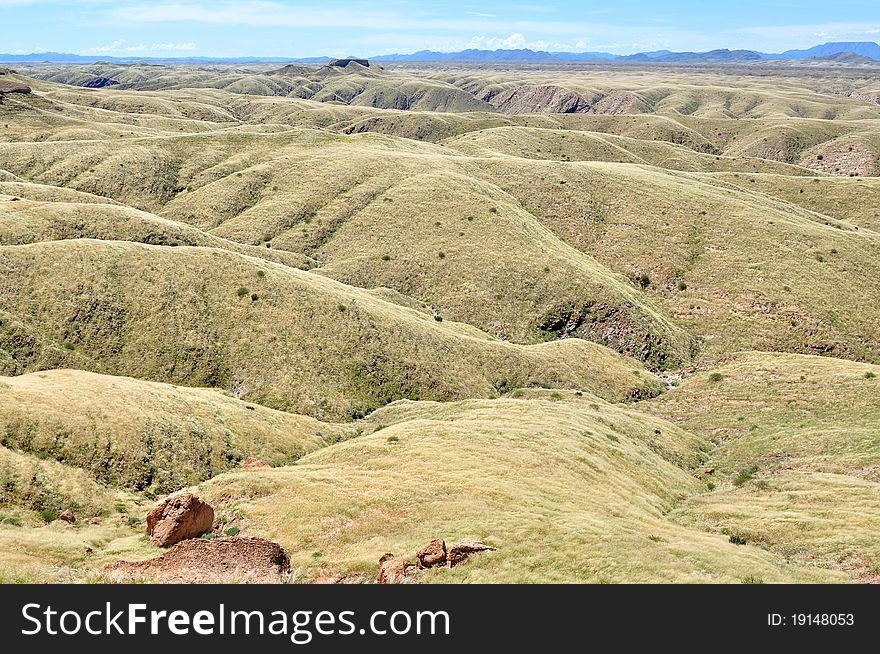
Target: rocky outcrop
(432, 554)
(862, 96)
(397, 570)
(199, 561)
(178, 518)
(542, 98)
(463, 549)
(846, 158)
(13, 87)
(393, 570)
(100, 83)
(344, 63)
(254, 462)
(67, 516)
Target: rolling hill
(618, 321)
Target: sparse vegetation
(563, 401)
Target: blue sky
(329, 27)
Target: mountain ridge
(863, 48)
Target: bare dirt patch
(199, 561)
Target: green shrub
(232, 531)
(737, 540)
(242, 291)
(49, 515)
(870, 375)
(716, 377)
(393, 439)
(681, 285)
(752, 579)
(745, 475)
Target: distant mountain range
(826, 51)
(864, 49)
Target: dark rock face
(343, 63)
(100, 83)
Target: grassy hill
(280, 336)
(569, 489)
(619, 323)
(798, 455)
(147, 436)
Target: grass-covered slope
(145, 435)
(797, 456)
(283, 337)
(568, 488)
(404, 290)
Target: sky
(302, 28)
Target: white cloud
(512, 42)
(118, 46)
(113, 47)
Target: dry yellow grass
(283, 337)
(391, 254)
(569, 489)
(144, 435)
(798, 455)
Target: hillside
(582, 313)
(797, 446)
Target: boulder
(434, 553)
(178, 518)
(458, 552)
(254, 462)
(392, 570)
(67, 516)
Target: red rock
(458, 552)
(178, 518)
(434, 553)
(67, 516)
(392, 570)
(254, 462)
